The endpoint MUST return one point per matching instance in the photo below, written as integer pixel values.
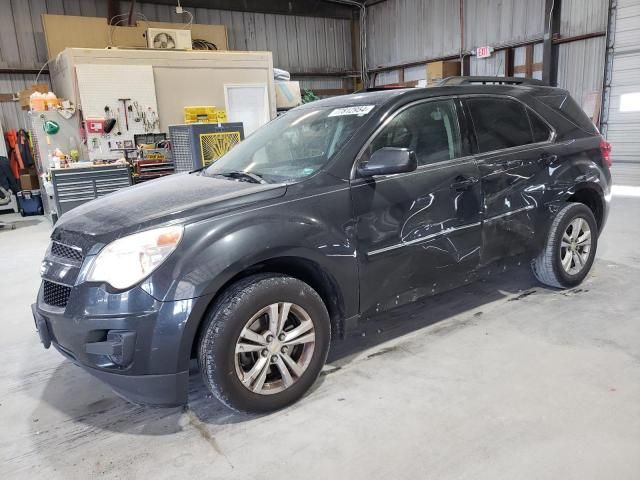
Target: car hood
(172, 199)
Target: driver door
(418, 233)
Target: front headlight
(128, 260)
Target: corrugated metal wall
(499, 22)
(402, 31)
(320, 83)
(581, 67)
(623, 127)
(299, 44)
(389, 77)
(581, 63)
(405, 31)
(398, 31)
(11, 116)
(583, 16)
(494, 66)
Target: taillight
(605, 150)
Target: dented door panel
(418, 233)
(513, 190)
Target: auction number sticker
(359, 110)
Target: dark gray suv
(339, 208)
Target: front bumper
(134, 343)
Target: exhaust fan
(169, 39)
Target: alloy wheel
(274, 348)
(575, 246)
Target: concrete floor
(626, 173)
(501, 379)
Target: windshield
(292, 146)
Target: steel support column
(550, 51)
(608, 68)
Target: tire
(548, 265)
(224, 371)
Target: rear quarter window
(566, 106)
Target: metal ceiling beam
(309, 8)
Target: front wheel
(265, 343)
(570, 248)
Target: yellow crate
(204, 114)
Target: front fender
(318, 228)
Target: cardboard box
(288, 94)
(24, 95)
(67, 31)
(29, 180)
(591, 103)
(438, 70)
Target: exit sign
(483, 52)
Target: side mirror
(387, 161)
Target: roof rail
(449, 81)
(383, 88)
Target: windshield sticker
(360, 110)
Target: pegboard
(100, 86)
(65, 139)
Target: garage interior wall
(391, 27)
(499, 22)
(622, 120)
(399, 32)
(581, 63)
(403, 31)
(299, 44)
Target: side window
(430, 129)
(541, 132)
(569, 109)
(499, 123)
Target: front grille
(65, 251)
(55, 294)
(77, 240)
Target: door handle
(547, 159)
(463, 183)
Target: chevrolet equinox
(338, 208)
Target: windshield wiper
(252, 177)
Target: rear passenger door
(513, 150)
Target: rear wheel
(570, 248)
(265, 343)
